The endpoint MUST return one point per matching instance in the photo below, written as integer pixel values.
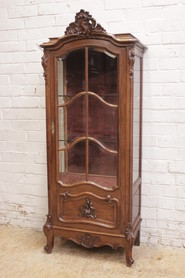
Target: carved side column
(129, 235)
(47, 228)
(131, 59)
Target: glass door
(88, 118)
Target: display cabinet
(94, 125)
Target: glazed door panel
(87, 109)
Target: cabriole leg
(47, 228)
(129, 259)
(129, 244)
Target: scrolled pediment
(84, 24)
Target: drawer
(88, 208)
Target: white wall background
(160, 24)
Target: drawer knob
(109, 199)
(65, 195)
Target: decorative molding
(90, 183)
(88, 240)
(84, 24)
(74, 208)
(131, 57)
(87, 210)
(115, 246)
(45, 64)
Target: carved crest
(131, 57)
(84, 24)
(88, 240)
(87, 210)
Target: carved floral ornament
(84, 24)
(131, 57)
(88, 240)
(129, 235)
(87, 210)
(44, 64)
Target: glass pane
(103, 122)
(62, 127)
(136, 119)
(102, 72)
(102, 165)
(71, 121)
(71, 75)
(61, 87)
(72, 164)
(135, 208)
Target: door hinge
(52, 128)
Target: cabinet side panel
(123, 155)
(137, 138)
(46, 74)
(51, 133)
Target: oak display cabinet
(94, 125)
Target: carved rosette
(131, 58)
(87, 210)
(84, 24)
(45, 64)
(88, 240)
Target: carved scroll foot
(129, 259)
(49, 246)
(137, 240)
(47, 228)
(129, 244)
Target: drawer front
(88, 208)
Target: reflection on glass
(102, 71)
(72, 164)
(136, 119)
(135, 208)
(61, 87)
(103, 122)
(75, 72)
(71, 121)
(62, 127)
(101, 161)
(71, 75)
